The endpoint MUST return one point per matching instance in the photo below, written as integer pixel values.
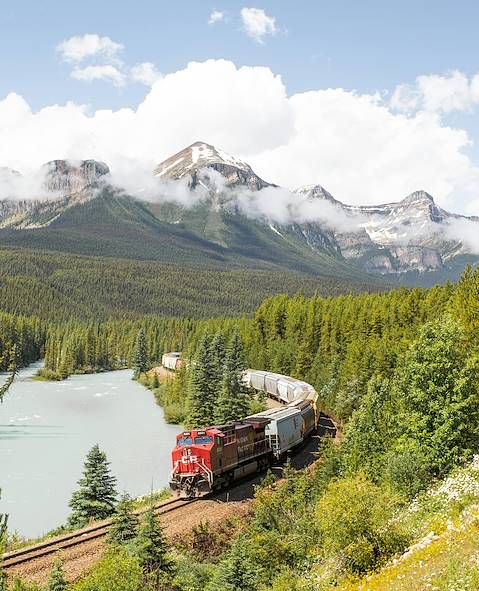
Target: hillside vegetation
(59, 287)
(399, 370)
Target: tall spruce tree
(96, 496)
(125, 523)
(218, 360)
(140, 357)
(151, 548)
(233, 401)
(57, 581)
(201, 398)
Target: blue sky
(386, 133)
(367, 46)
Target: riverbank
(46, 429)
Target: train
(205, 460)
(172, 361)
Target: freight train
(213, 458)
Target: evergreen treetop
(96, 496)
(57, 581)
(125, 522)
(151, 548)
(233, 401)
(200, 402)
(140, 357)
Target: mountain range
(221, 220)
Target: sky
(371, 99)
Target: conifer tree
(57, 581)
(125, 522)
(200, 401)
(13, 368)
(151, 548)
(233, 401)
(96, 496)
(218, 360)
(140, 357)
(237, 570)
(3, 524)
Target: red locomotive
(212, 458)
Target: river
(47, 428)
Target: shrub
(355, 523)
(118, 571)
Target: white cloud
(98, 57)
(355, 145)
(146, 73)
(441, 94)
(216, 16)
(257, 23)
(78, 48)
(106, 72)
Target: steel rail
(92, 532)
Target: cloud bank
(356, 145)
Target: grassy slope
(449, 562)
(450, 559)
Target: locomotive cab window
(187, 441)
(203, 440)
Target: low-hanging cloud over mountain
(355, 144)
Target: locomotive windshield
(186, 441)
(203, 440)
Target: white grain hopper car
(171, 360)
(292, 424)
(283, 388)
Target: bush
(174, 413)
(407, 471)
(355, 524)
(118, 571)
(49, 374)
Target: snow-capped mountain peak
(195, 160)
(317, 192)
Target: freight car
(172, 360)
(212, 458)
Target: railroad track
(99, 530)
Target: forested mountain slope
(204, 207)
(114, 225)
(399, 372)
(58, 287)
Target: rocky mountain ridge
(393, 238)
(408, 235)
(58, 185)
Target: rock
(67, 178)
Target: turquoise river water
(47, 428)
